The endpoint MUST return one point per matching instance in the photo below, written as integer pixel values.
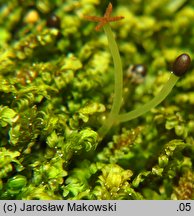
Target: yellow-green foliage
(56, 90)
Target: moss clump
(56, 90)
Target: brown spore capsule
(53, 22)
(181, 64)
(139, 69)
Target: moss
(56, 90)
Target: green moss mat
(56, 91)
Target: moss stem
(151, 104)
(118, 71)
(114, 117)
(118, 86)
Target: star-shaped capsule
(105, 19)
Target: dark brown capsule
(139, 69)
(181, 64)
(53, 22)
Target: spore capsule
(181, 64)
(53, 21)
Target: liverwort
(180, 66)
(118, 72)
